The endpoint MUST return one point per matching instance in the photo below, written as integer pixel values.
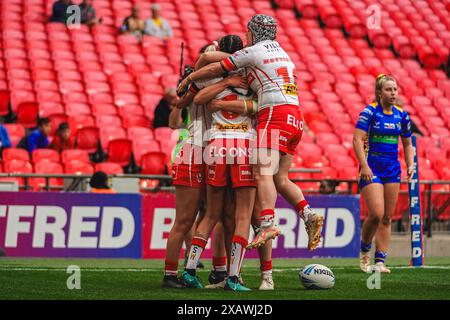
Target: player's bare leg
(374, 198)
(294, 195)
(214, 208)
(265, 255)
(272, 176)
(383, 233)
(218, 273)
(188, 237)
(187, 202)
(245, 198)
(267, 166)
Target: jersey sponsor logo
(384, 139)
(363, 119)
(290, 89)
(293, 121)
(377, 124)
(388, 125)
(279, 59)
(224, 127)
(245, 173)
(230, 152)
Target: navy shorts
(383, 172)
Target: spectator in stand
(4, 139)
(328, 186)
(133, 24)
(38, 139)
(59, 11)
(88, 14)
(61, 140)
(99, 183)
(165, 105)
(157, 26)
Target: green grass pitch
(141, 279)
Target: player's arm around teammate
(375, 143)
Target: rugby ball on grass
(316, 276)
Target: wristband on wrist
(245, 107)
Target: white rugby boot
(364, 261)
(267, 282)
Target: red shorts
(280, 128)
(188, 168)
(229, 163)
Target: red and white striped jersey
(230, 125)
(271, 73)
(224, 124)
(200, 118)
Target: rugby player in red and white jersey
(188, 172)
(280, 123)
(233, 117)
(228, 159)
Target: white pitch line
(390, 267)
(160, 269)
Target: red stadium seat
(15, 129)
(47, 109)
(4, 102)
(87, 138)
(47, 167)
(39, 155)
(22, 96)
(135, 133)
(108, 120)
(56, 120)
(74, 154)
(142, 146)
(349, 173)
(131, 110)
(102, 109)
(15, 154)
(109, 168)
(164, 134)
(327, 173)
(80, 121)
(111, 133)
(18, 166)
(316, 161)
(119, 151)
(75, 108)
(427, 174)
(136, 120)
(153, 163)
(78, 167)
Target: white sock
(237, 255)
(197, 247)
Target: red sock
(300, 207)
(266, 265)
(220, 263)
(266, 216)
(171, 268)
